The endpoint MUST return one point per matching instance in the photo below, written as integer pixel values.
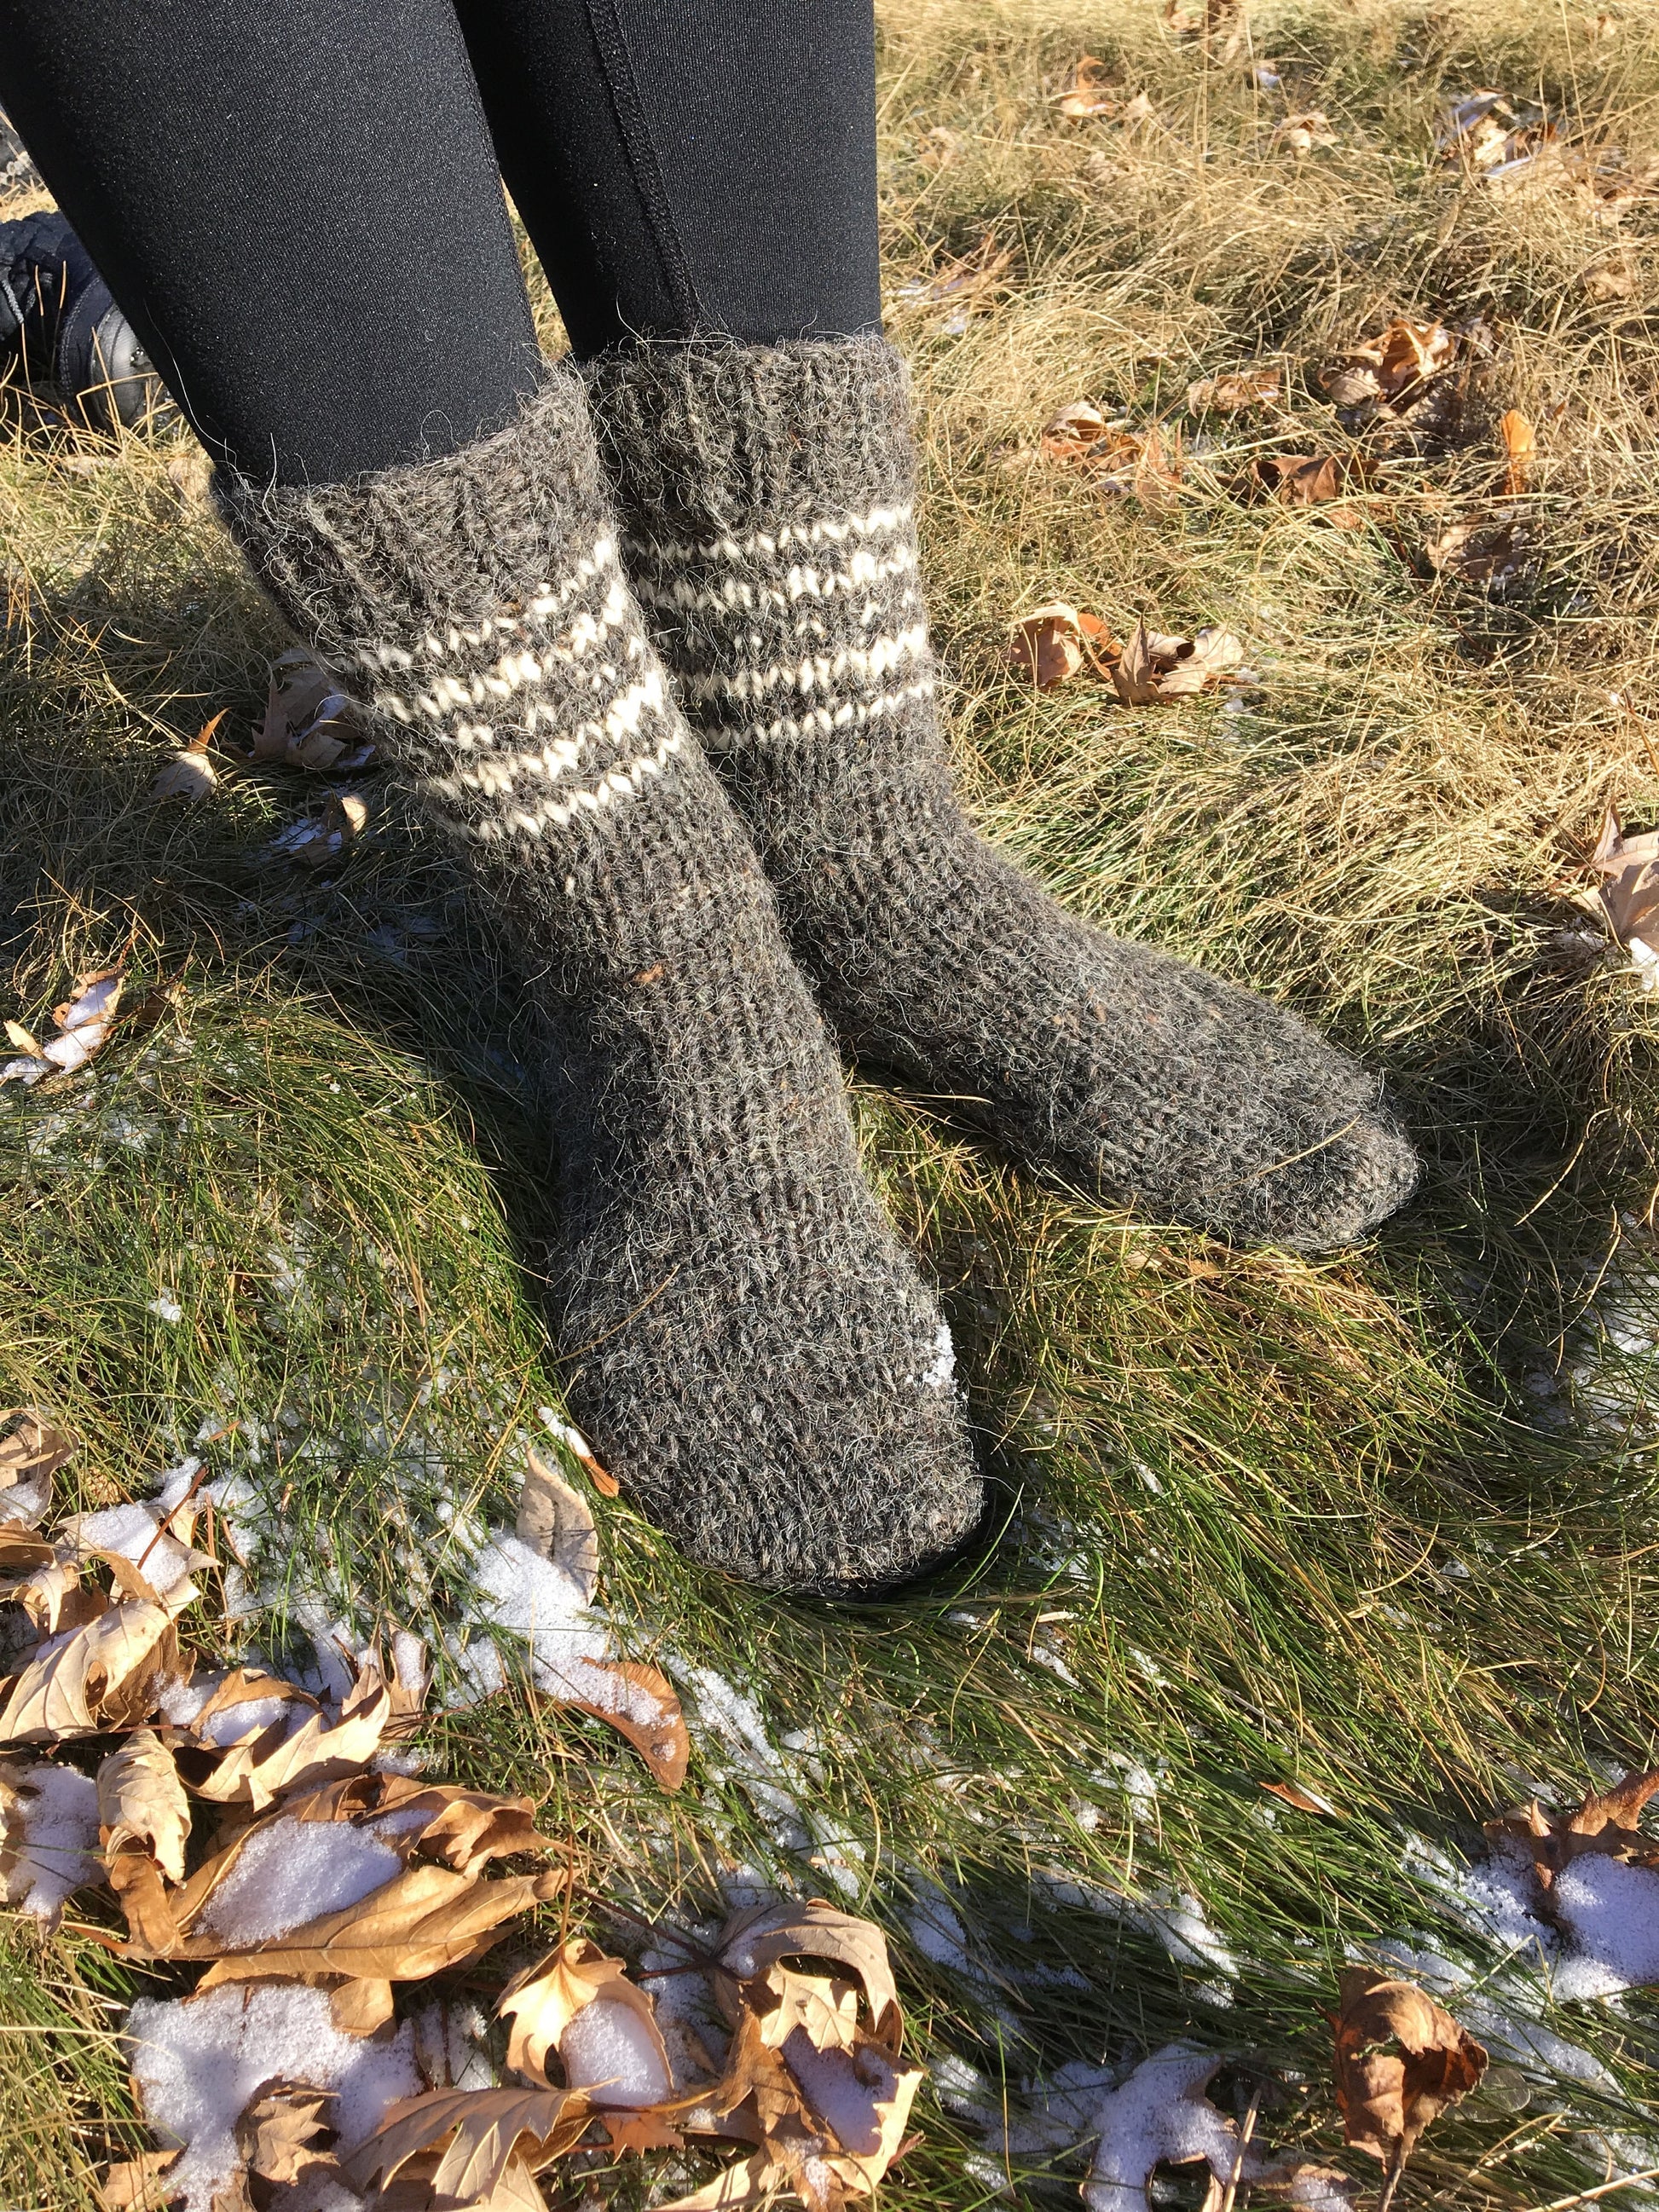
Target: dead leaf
(641, 1703)
(462, 1829)
(308, 722)
(31, 1452)
(1155, 667)
(1052, 643)
(258, 1769)
(1605, 1825)
(190, 773)
(278, 2127)
(141, 1803)
(482, 2130)
(1314, 480)
(95, 1677)
(1305, 1801)
(1395, 372)
(319, 841)
(1090, 93)
(544, 2001)
(754, 1941)
(1520, 450)
(136, 2184)
(968, 285)
(1259, 386)
(557, 1523)
(1400, 2061)
(1302, 133)
(1488, 555)
(423, 1921)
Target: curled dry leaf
(481, 2131)
(577, 1445)
(641, 1703)
(1155, 667)
(319, 841)
(753, 1943)
(138, 2185)
(141, 1804)
(1488, 554)
(1314, 480)
(277, 2131)
(1520, 451)
(1261, 386)
(1301, 133)
(1604, 1824)
(1090, 91)
(32, 1449)
(1305, 1801)
(99, 1677)
(1388, 375)
(1627, 897)
(463, 1829)
(1052, 642)
(1401, 2060)
(614, 2054)
(190, 773)
(554, 1520)
(308, 722)
(257, 1769)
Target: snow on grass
(198, 2063)
(608, 2049)
(293, 1871)
(48, 1836)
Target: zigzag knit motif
(770, 536)
(748, 1346)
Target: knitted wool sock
(750, 1350)
(767, 497)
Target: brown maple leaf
(1605, 1825)
(1401, 2060)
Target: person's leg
(748, 1346)
(296, 206)
(768, 491)
(689, 167)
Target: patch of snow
(1160, 2116)
(292, 1871)
(51, 1836)
(941, 1371)
(167, 1307)
(1611, 1909)
(199, 2061)
(688, 2018)
(608, 2050)
(134, 1532)
(451, 2045)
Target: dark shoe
(61, 332)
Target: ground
(1380, 1526)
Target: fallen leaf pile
(1092, 94)
(1514, 148)
(1056, 642)
(1260, 386)
(1115, 460)
(83, 1026)
(268, 1836)
(1408, 375)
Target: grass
(1381, 1525)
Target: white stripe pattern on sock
(863, 572)
(828, 529)
(492, 777)
(617, 784)
(820, 722)
(547, 600)
(514, 671)
(819, 672)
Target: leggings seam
(617, 67)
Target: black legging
(297, 206)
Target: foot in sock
(767, 500)
(749, 1349)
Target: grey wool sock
(768, 500)
(748, 1348)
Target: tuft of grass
(1380, 1524)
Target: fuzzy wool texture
(768, 493)
(748, 1346)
